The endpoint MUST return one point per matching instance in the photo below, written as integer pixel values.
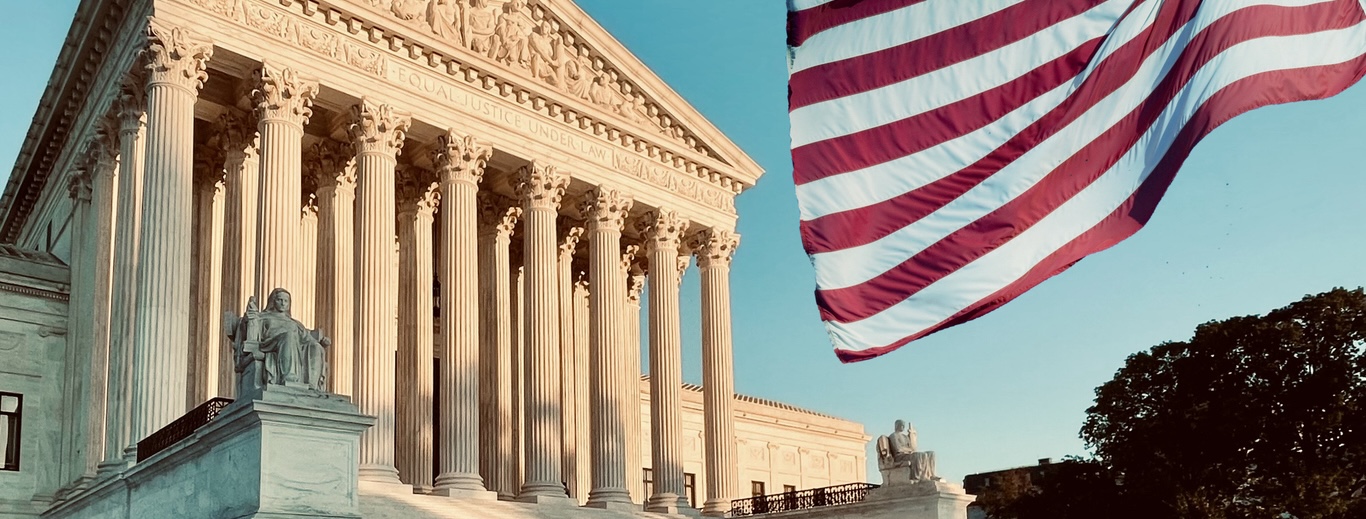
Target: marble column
(283, 99)
(496, 458)
(583, 432)
(75, 383)
(418, 202)
(207, 354)
(377, 133)
(175, 65)
(635, 462)
(103, 160)
(517, 279)
(460, 161)
(540, 188)
(714, 249)
(241, 177)
(568, 408)
(334, 173)
(305, 303)
(605, 211)
(662, 231)
(132, 125)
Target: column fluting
(419, 199)
(74, 380)
(714, 250)
(333, 169)
(175, 65)
(540, 188)
(662, 231)
(460, 161)
(132, 127)
(635, 462)
(103, 160)
(497, 461)
(605, 211)
(241, 174)
(207, 355)
(377, 133)
(583, 431)
(283, 100)
(569, 424)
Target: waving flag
(951, 154)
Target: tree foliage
(1254, 416)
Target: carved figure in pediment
(544, 44)
(634, 108)
(602, 93)
(444, 18)
(510, 35)
(407, 9)
(480, 22)
(578, 72)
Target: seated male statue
(898, 450)
(272, 348)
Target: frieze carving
(714, 247)
(461, 157)
(282, 26)
(176, 56)
(605, 208)
(540, 186)
(283, 94)
(378, 128)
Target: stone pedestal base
(288, 453)
(926, 499)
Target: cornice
(81, 65)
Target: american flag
(951, 154)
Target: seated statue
(271, 348)
(897, 453)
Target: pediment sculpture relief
(528, 38)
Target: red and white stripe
(950, 155)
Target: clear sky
(1267, 209)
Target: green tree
(1254, 416)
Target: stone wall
(33, 309)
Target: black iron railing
(801, 500)
(181, 428)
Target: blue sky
(1267, 209)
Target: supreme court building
(469, 197)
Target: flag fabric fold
(950, 155)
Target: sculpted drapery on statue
(897, 454)
(272, 348)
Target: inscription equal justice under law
(606, 156)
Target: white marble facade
(468, 196)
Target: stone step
(380, 501)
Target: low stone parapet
(288, 453)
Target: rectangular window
(649, 479)
(756, 488)
(11, 409)
(789, 488)
(690, 488)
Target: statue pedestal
(924, 499)
(288, 453)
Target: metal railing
(801, 499)
(181, 428)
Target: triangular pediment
(557, 47)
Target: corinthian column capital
(662, 229)
(570, 241)
(130, 106)
(460, 158)
(605, 208)
(540, 186)
(101, 154)
(378, 128)
(176, 56)
(79, 187)
(238, 134)
(714, 247)
(628, 258)
(496, 217)
(330, 164)
(282, 94)
(635, 283)
(208, 164)
(417, 193)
